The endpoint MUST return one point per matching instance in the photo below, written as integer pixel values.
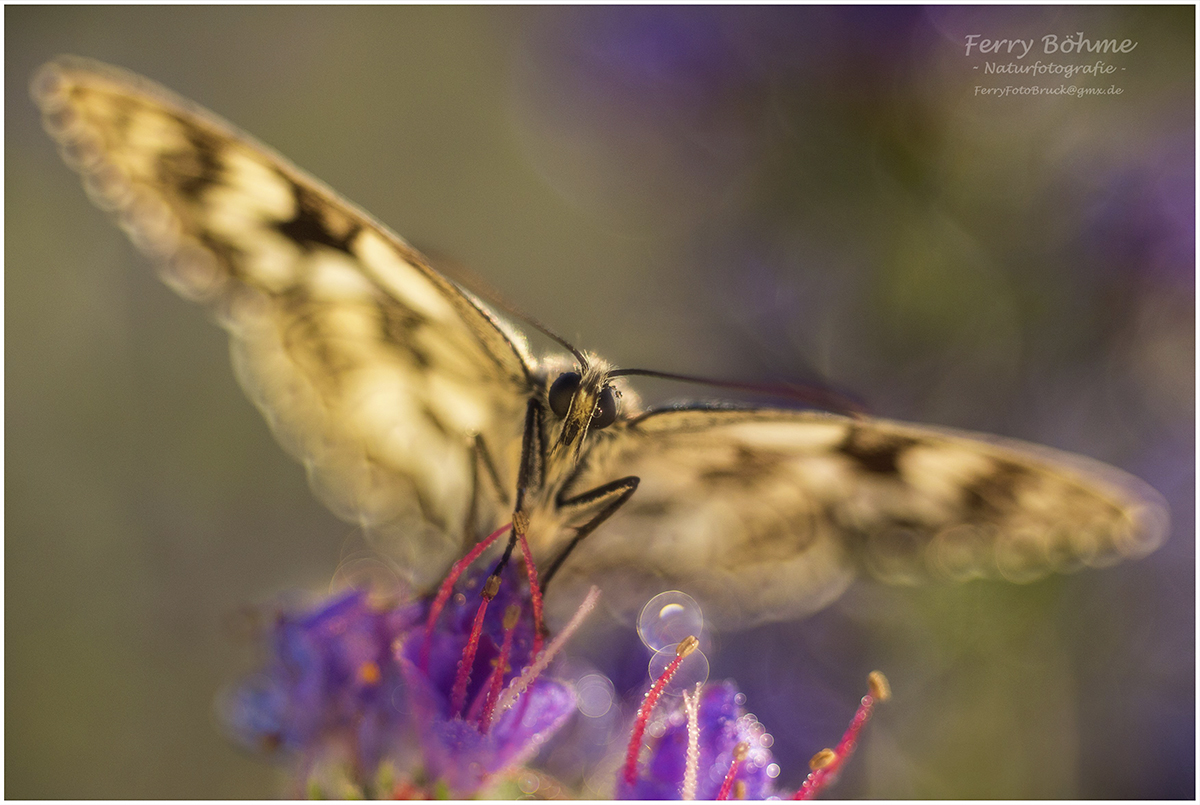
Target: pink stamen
(739, 754)
(519, 685)
(686, 647)
(447, 587)
(535, 594)
(511, 616)
(828, 762)
(458, 695)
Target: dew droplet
(739, 699)
(773, 770)
(369, 573)
(692, 669)
(528, 783)
(668, 618)
(595, 695)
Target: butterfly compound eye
(561, 392)
(606, 409)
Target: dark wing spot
(995, 492)
(195, 169)
(311, 227)
(749, 468)
(875, 452)
(431, 415)
(398, 325)
(419, 357)
(124, 109)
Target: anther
(491, 587)
(369, 673)
(822, 759)
(878, 685)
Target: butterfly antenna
(537, 325)
(815, 395)
(819, 396)
(472, 282)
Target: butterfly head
(584, 400)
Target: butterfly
(422, 415)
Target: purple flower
(462, 756)
(365, 690)
(330, 679)
(446, 696)
(461, 748)
(710, 748)
(724, 725)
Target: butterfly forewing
(373, 369)
(391, 384)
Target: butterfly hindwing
(371, 367)
(766, 515)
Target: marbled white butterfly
(423, 416)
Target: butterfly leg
(482, 458)
(609, 497)
(529, 479)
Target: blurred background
(764, 195)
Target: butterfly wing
(767, 515)
(372, 368)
